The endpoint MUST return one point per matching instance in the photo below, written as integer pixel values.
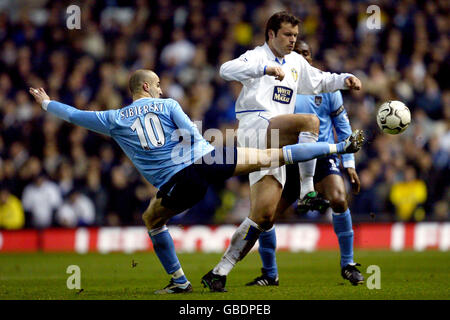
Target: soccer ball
(393, 117)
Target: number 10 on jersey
(153, 128)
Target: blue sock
(267, 246)
(342, 224)
(306, 151)
(165, 250)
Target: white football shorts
(252, 133)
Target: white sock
(242, 241)
(307, 168)
(177, 274)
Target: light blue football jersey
(329, 108)
(157, 136)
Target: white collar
(272, 57)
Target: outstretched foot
(354, 142)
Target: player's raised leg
(333, 189)
(155, 219)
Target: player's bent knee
(146, 217)
(312, 123)
(339, 204)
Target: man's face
(305, 51)
(284, 40)
(153, 87)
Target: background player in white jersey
(328, 181)
(272, 75)
(169, 151)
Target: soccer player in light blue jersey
(328, 180)
(168, 150)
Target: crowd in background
(56, 174)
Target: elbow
(222, 71)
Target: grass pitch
(404, 275)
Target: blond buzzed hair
(138, 78)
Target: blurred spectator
(77, 211)
(11, 211)
(408, 196)
(366, 201)
(179, 52)
(95, 190)
(41, 198)
(121, 198)
(235, 202)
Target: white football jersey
(262, 92)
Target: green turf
(404, 275)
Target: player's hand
(353, 83)
(276, 72)
(354, 180)
(39, 95)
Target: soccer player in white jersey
(272, 75)
(328, 181)
(169, 151)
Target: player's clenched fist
(353, 83)
(277, 72)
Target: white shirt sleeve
(315, 81)
(247, 66)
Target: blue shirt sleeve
(336, 101)
(181, 120)
(341, 124)
(98, 121)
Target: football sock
(307, 168)
(179, 277)
(306, 151)
(342, 224)
(267, 247)
(242, 241)
(165, 250)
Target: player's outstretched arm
(97, 121)
(314, 81)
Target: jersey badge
(294, 74)
(318, 100)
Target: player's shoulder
(295, 57)
(333, 95)
(255, 52)
(333, 100)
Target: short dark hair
(275, 21)
(299, 43)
